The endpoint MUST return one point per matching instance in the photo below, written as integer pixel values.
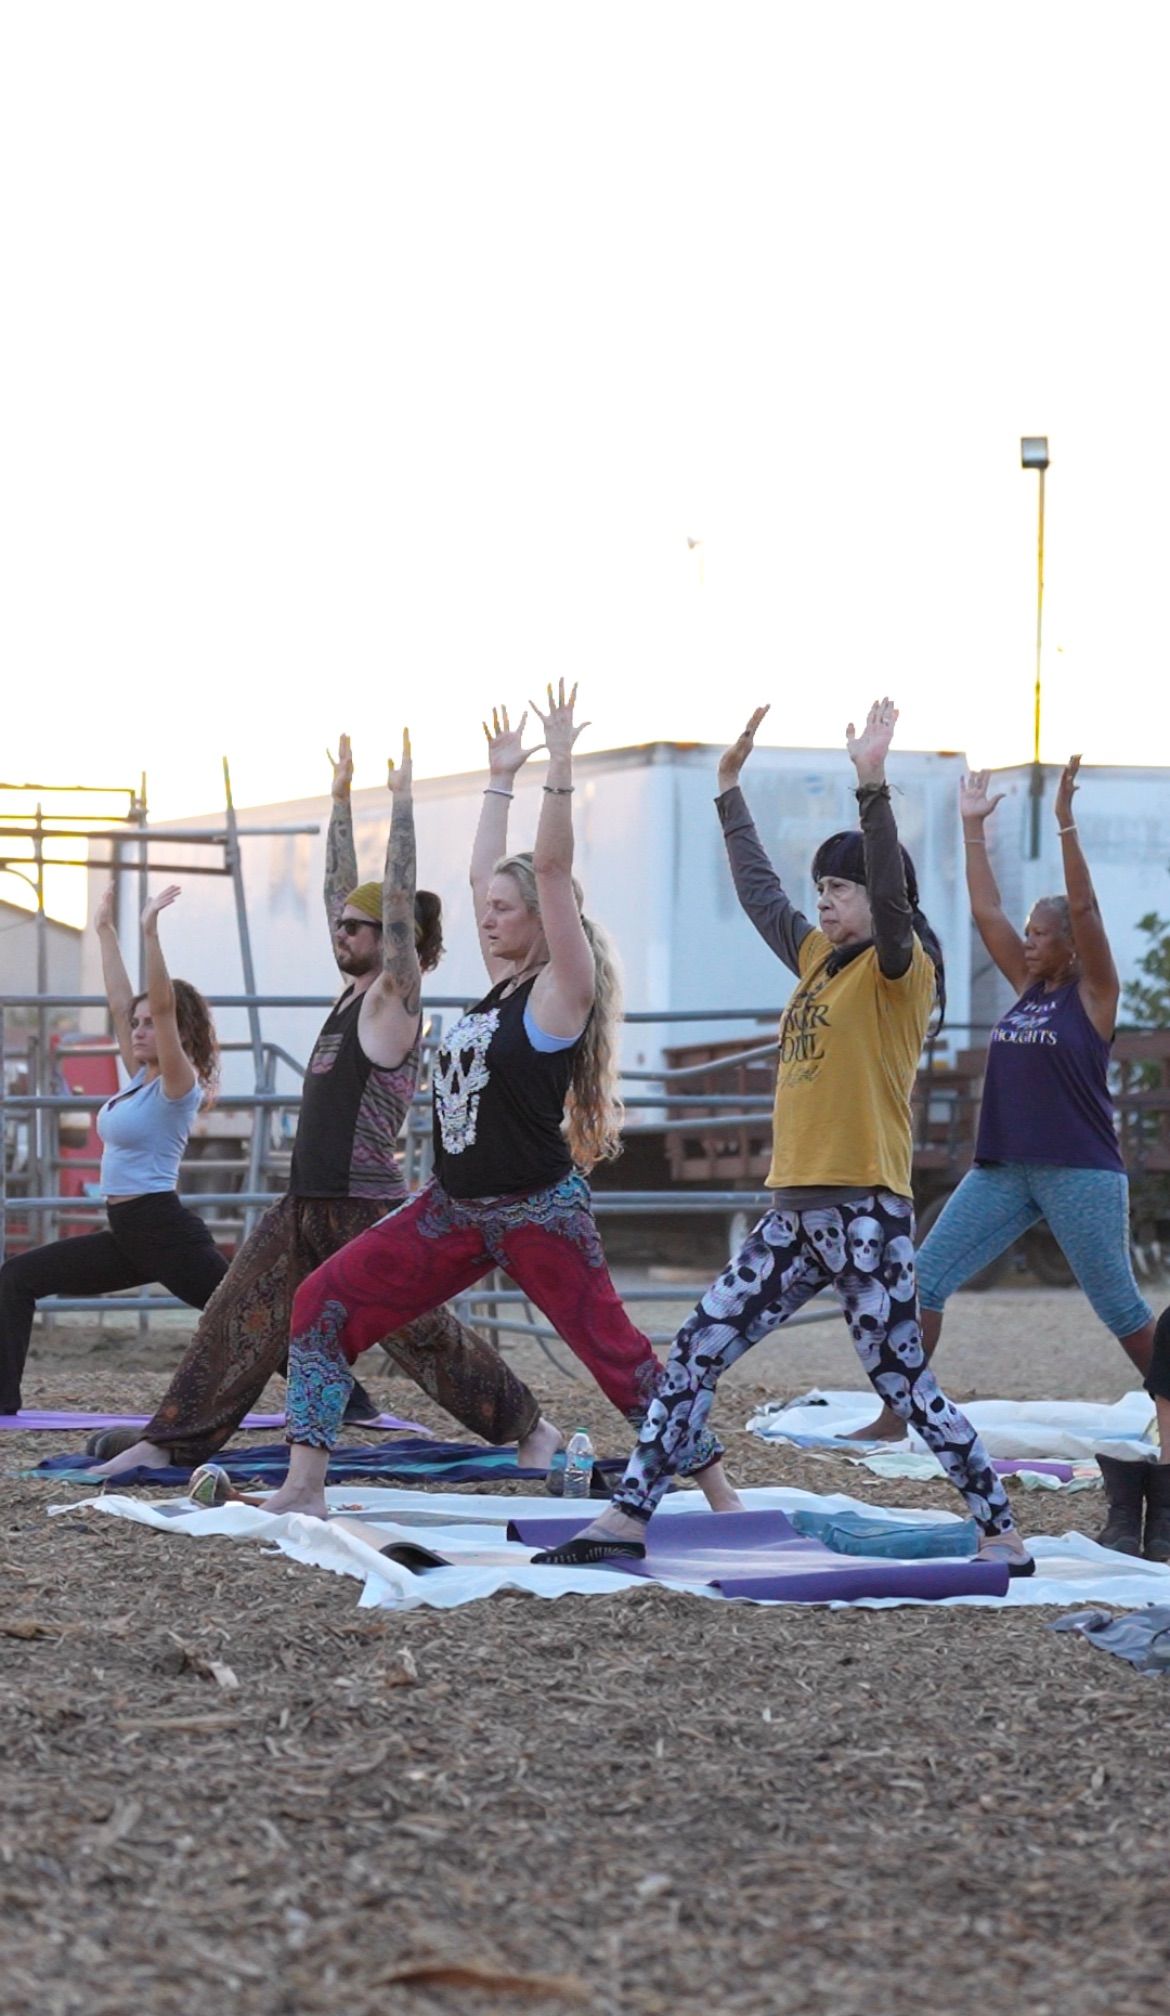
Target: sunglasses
(351, 924)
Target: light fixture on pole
(1034, 455)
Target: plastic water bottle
(578, 1465)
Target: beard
(355, 965)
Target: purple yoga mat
(1008, 1466)
(760, 1557)
(28, 1422)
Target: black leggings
(1158, 1382)
(150, 1238)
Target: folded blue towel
(888, 1539)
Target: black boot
(1125, 1488)
(1156, 1546)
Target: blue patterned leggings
(865, 1251)
(1088, 1216)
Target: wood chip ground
(226, 1788)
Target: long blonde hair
(593, 1108)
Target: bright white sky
(366, 364)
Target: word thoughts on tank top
(1046, 1092)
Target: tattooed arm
(400, 968)
(341, 869)
(392, 1007)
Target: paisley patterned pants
(243, 1336)
(434, 1247)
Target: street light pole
(1034, 455)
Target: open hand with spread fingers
(342, 767)
(162, 901)
(560, 731)
(732, 760)
(976, 802)
(506, 755)
(400, 775)
(868, 751)
(1066, 791)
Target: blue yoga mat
(409, 1460)
(760, 1557)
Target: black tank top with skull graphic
(500, 1103)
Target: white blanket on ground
(1049, 1430)
(1070, 1569)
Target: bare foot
(140, 1456)
(539, 1446)
(718, 1489)
(615, 1525)
(1007, 1549)
(889, 1427)
(297, 1498)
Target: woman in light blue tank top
(167, 1043)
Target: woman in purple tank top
(1046, 1146)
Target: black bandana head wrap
(842, 855)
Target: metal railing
(264, 1155)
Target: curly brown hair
(197, 1035)
(428, 928)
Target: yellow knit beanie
(367, 898)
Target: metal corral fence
(697, 1144)
(660, 1104)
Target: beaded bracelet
(559, 790)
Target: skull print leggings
(864, 1249)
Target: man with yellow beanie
(345, 1175)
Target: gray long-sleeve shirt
(784, 928)
(780, 924)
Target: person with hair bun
(524, 1099)
(166, 1039)
(346, 1174)
(842, 1212)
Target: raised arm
(885, 872)
(119, 992)
(341, 869)
(1100, 987)
(780, 924)
(563, 995)
(995, 927)
(176, 1070)
(505, 757)
(392, 1007)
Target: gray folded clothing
(1141, 1636)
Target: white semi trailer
(652, 861)
(650, 856)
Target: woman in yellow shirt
(842, 1213)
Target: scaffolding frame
(130, 839)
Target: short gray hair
(1060, 905)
